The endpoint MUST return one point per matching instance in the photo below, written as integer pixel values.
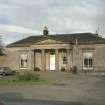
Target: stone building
(48, 52)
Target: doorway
(52, 61)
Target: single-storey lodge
(48, 52)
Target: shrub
(62, 69)
(74, 70)
(2, 52)
(36, 69)
(27, 77)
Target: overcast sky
(21, 18)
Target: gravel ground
(69, 90)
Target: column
(68, 59)
(34, 58)
(57, 60)
(31, 60)
(43, 59)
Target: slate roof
(83, 38)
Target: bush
(74, 70)
(27, 77)
(2, 52)
(36, 69)
(62, 69)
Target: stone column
(32, 59)
(43, 59)
(68, 59)
(57, 60)
(74, 55)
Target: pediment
(49, 41)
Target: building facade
(47, 52)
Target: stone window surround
(88, 55)
(24, 57)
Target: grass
(37, 78)
(41, 78)
(16, 82)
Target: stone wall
(3, 61)
(98, 56)
(12, 58)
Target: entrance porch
(52, 59)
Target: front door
(52, 61)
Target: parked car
(6, 71)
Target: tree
(1, 47)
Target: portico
(52, 59)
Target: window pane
(85, 62)
(88, 63)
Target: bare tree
(1, 47)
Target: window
(64, 60)
(64, 56)
(23, 61)
(87, 60)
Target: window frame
(22, 67)
(64, 59)
(89, 67)
(64, 56)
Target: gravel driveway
(75, 90)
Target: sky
(23, 18)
